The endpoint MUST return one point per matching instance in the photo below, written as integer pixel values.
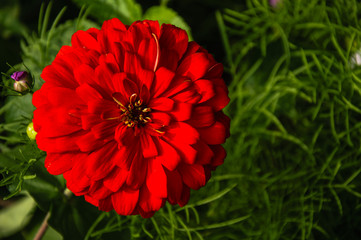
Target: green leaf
(16, 216)
(127, 11)
(45, 188)
(167, 15)
(73, 217)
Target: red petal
(156, 179)
(220, 99)
(59, 144)
(98, 191)
(148, 202)
(205, 88)
(138, 171)
(84, 74)
(77, 181)
(124, 201)
(182, 111)
(115, 180)
(148, 146)
(57, 163)
(90, 120)
(100, 163)
(161, 104)
(193, 175)
(168, 156)
(105, 130)
(88, 143)
(160, 118)
(163, 78)
(88, 93)
(52, 75)
(194, 66)
(173, 38)
(182, 132)
(82, 39)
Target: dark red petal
(185, 196)
(193, 175)
(163, 78)
(168, 156)
(204, 153)
(219, 155)
(124, 201)
(106, 204)
(161, 104)
(202, 116)
(57, 163)
(175, 186)
(115, 180)
(215, 71)
(215, 134)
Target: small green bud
(30, 131)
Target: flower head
(21, 83)
(132, 116)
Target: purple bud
(273, 3)
(21, 75)
(21, 83)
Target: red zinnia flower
(132, 116)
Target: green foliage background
(293, 165)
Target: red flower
(132, 116)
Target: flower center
(135, 113)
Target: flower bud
(21, 83)
(30, 131)
(273, 3)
